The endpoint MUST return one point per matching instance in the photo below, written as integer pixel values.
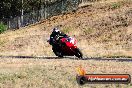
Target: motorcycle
(66, 47)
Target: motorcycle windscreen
(71, 40)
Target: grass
(32, 73)
(67, 30)
(115, 6)
(88, 31)
(3, 41)
(94, 28)
(96, 37)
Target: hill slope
(102, 29)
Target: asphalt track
(72, 58)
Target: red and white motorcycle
(67, 47)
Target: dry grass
(103, 29)
(56, 73)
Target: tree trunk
(22, 17)
(9, 24)
(18, 22)
(42, 12)
(22, 13)
(45, 12)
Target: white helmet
(56, 30)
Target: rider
(56, 32)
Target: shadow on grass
(110, 59)
(72, 57)
(31, 57)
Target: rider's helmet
(56, 31)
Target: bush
(115, 5)
(2, 28)
(67, 30)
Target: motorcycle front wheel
(78, 53)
